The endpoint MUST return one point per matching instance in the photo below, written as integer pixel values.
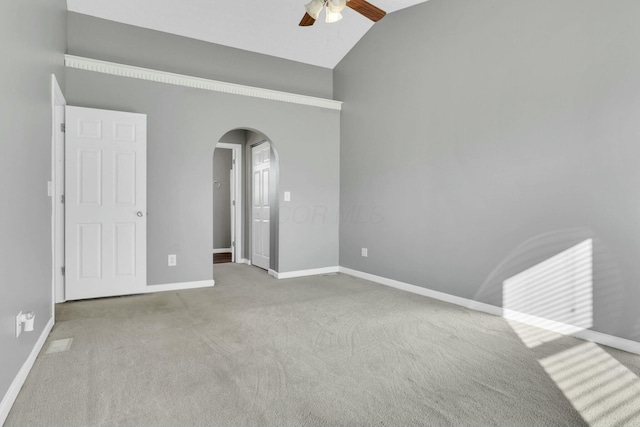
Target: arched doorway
(252, 228)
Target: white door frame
(236, 149)
(56, 192)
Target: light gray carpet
(322, 351)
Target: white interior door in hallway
(260, 208)
(105, 198)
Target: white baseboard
(245, 261)
(303, 273)
(11, 395)
(222, 251)
(608, 340)
(464, 302)
(561, 328)
(180, 286)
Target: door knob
(139, 214)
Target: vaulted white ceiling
(268, 27)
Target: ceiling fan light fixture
(333, 17)
(314, 7)
(336, 6)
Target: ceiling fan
(334, 9)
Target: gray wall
(184, 125)
(499, 134)
(32, 41)
(110, 41)
(236, 136)
(106, 40)
(222, 164)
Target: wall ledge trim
(560, 328)
(222, 250)
(10, 397)
(105, 67)
(179, 286)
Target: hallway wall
(32, 42)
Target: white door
(105, 200)
(261, 159)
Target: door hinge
(233, 244)
(63, 127)
(233, 203)
(62, 270)
(62, 199)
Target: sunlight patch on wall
(600, 388)
(556, 293)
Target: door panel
(105, 182)
(261, 159)
(90, 251)
(89, 177)
(124, 132)
(125, 178)
(125, 244)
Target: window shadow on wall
(557, 293)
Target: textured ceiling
(268, 27)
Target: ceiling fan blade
(307, 20)
(365, 8)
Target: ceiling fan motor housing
(336, 6)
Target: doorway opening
(245, 231)
(227, 202)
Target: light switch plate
(365, 252)
(172, 260)
(287, 196)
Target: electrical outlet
(172, 260)
(364, 252)
(19, 324)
